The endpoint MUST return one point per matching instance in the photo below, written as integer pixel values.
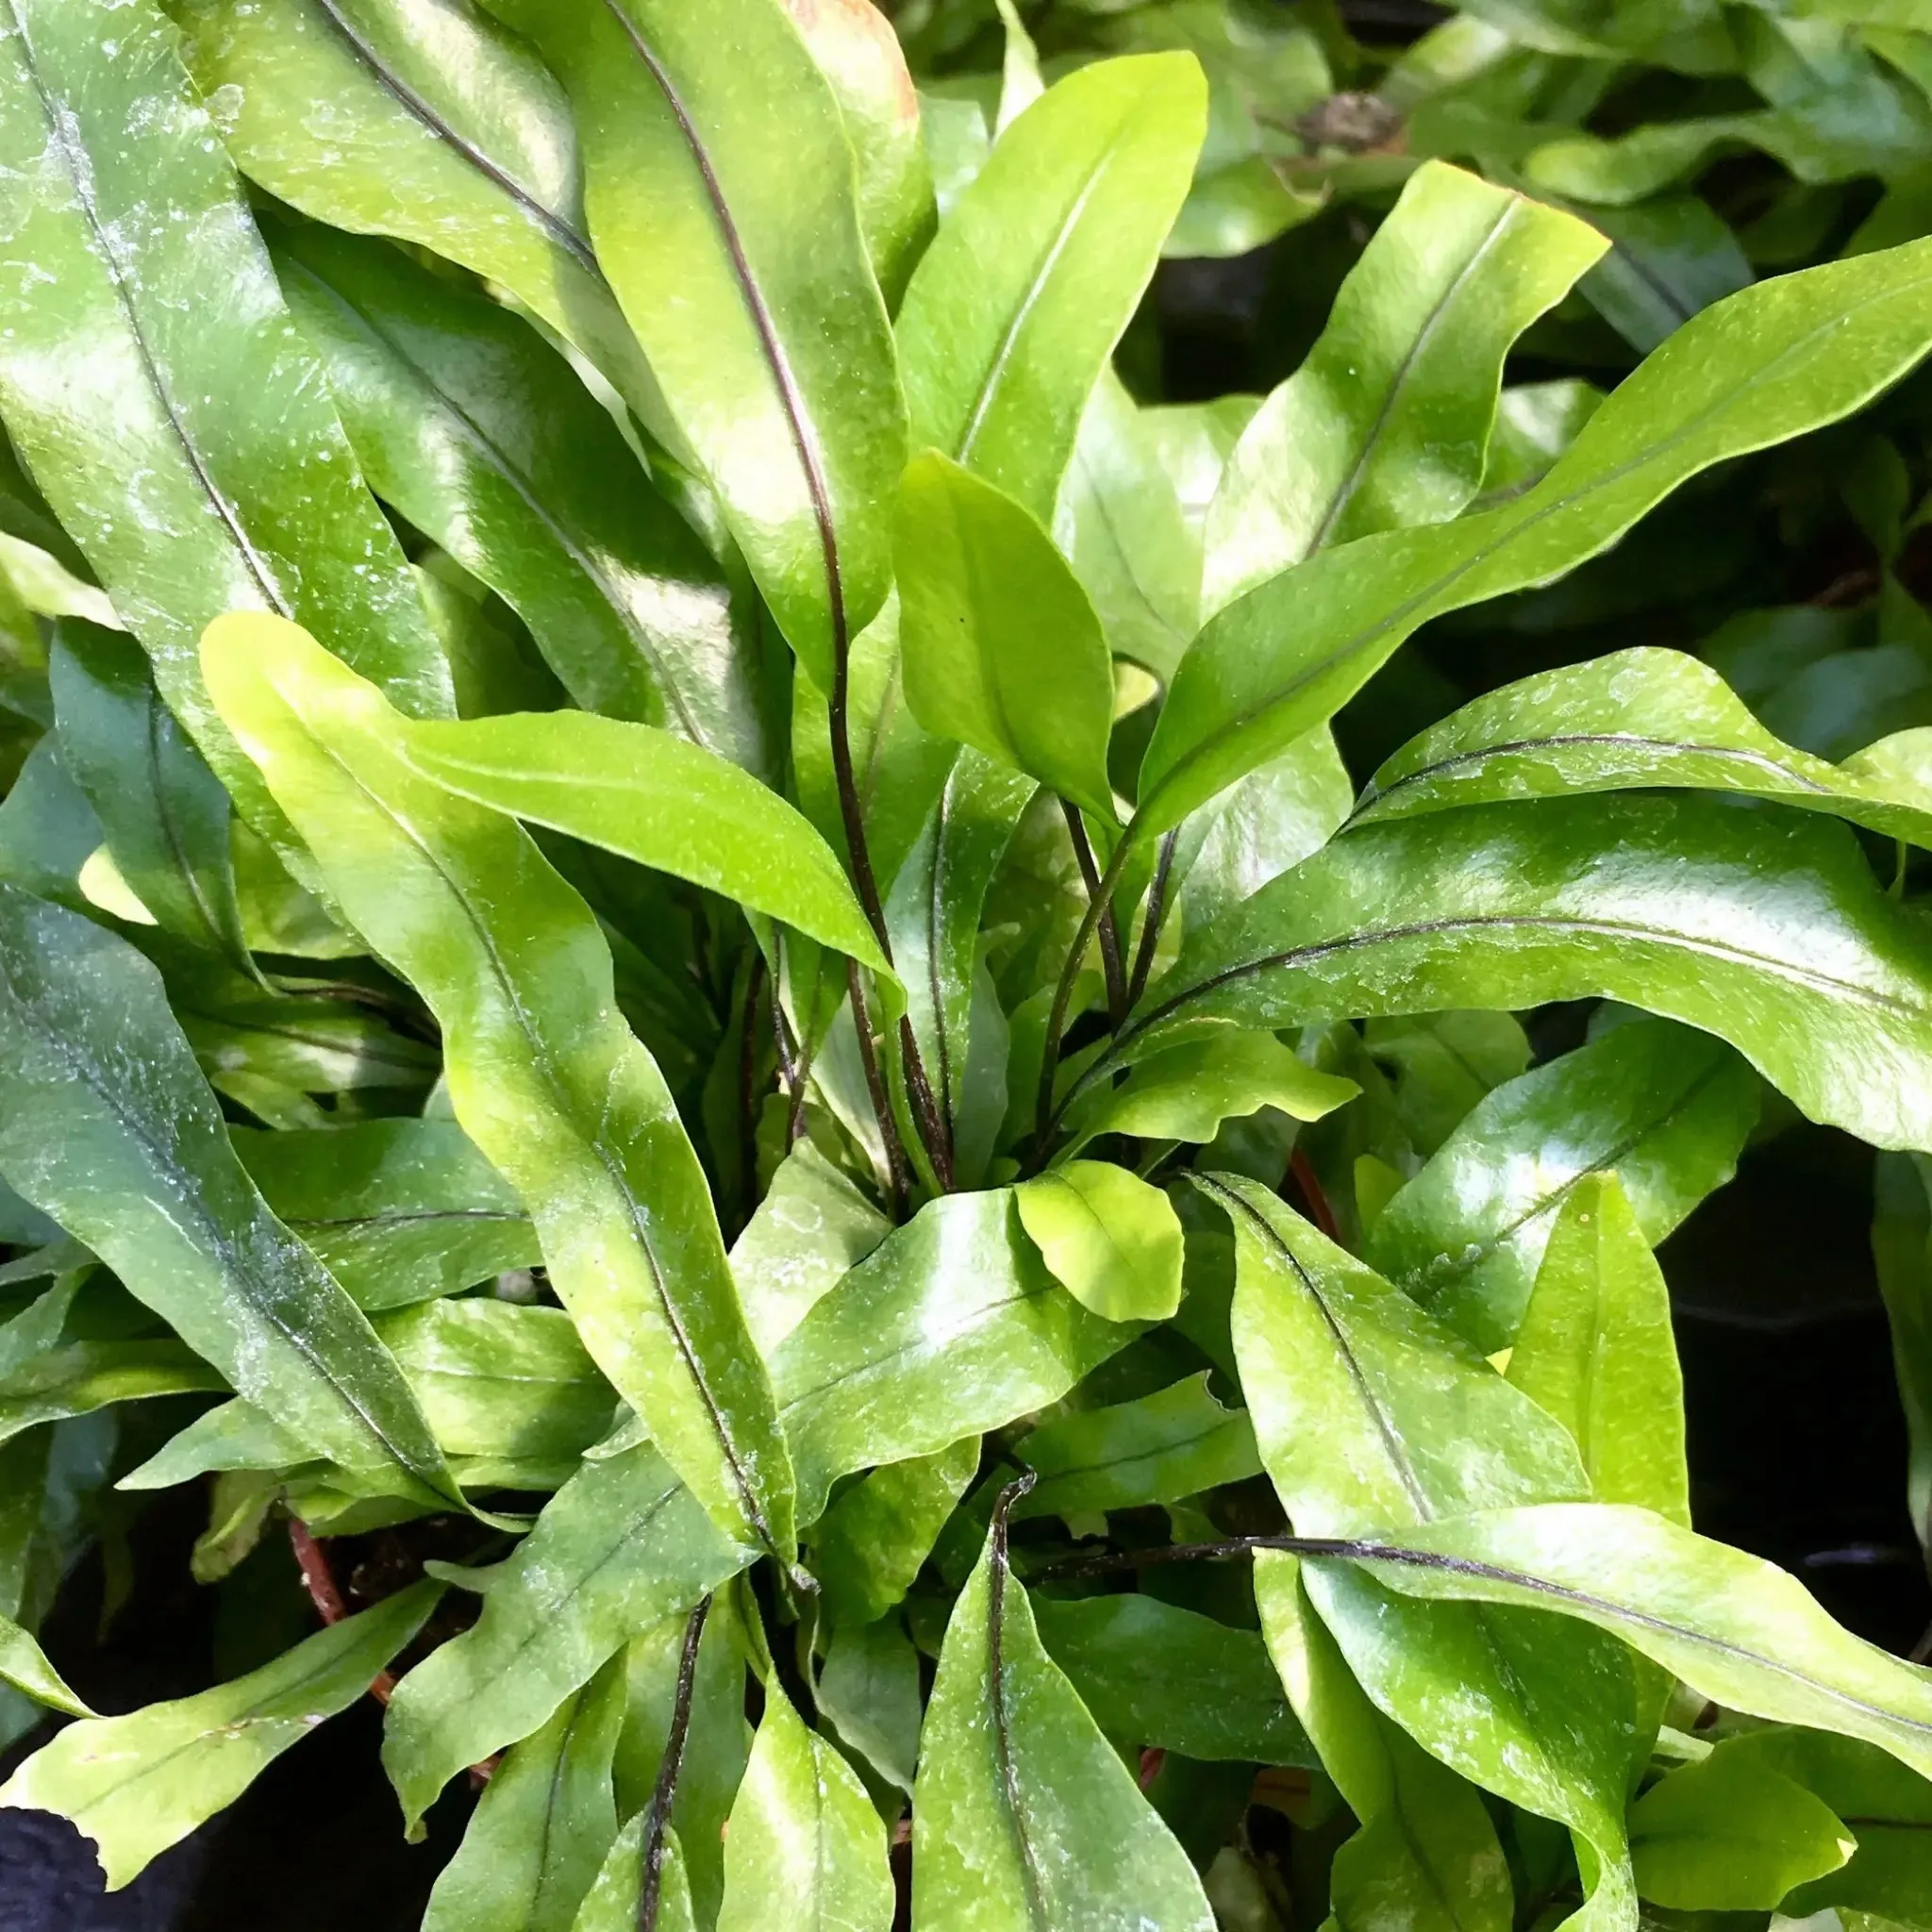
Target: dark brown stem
(875, 1086)
(1110, 931)
(1156, 916)
(935, 1130)
(319, 1581)
(1063, 994)
(657, 1817)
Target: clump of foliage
(680, 925)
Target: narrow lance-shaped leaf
(1734, 1628)
(1668, 1108)
(1426, 1856)
(110, 1127)
(1001, 649)
(1387, 424)
(655, 799)
(1635, 720)
(1023, 1813)
(24, 1665)
(485, 439)
(1772, 362)
(545, 1076)
(165, 814)
(1016, 307)
(138, 1784)
(1595, 1349)
(153, 384)
(621, 1546)
(536, 1843)
(1769, 931)
(803, 1830)
(711, 140)
(431, 123)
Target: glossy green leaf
(537, 1840)
(1111, 1236)
(1595, 1349)
(1185, 1092)
(652, 797)
(165, 814)
(399, 1210)
(110, 1127)
(613, 1901)
(623, 1546)
(1669, 1109)
(1014, 309)
(803, 1831)
(75, 1378)
(153, 384)
(950, 1327)
(440, 128)
(25, 1666)
(1153, 1675)
(933, 918)
(715, 143)
(1638, 719)
(1439, 1065)
(873, 1542)
(138, 1784)
(1733, 1626)
(868, 1690)
(1771, 362)
(1730, 1833)
(1426, 1856)
(1023, 1814)
(860, 58)
(1160, 1448)
(1902, 1247)
(486, 441)
(1003, 650)
(1387, 424)
(546, 1077)
(812, 1227)
(1769, 931)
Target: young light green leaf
(1387, 424)
(1728, 1833)
(1636, 719)
(1185, 1092)
(399, 1210)
(146, 360)
(24, 1665)
(165, 813)
(1772, 362)
(484, 438)
(1734, 1628)
(1769, 931)
(873, 1542)
(1002, 651)
(810, 1230)
(537, 1840)
(621, 1546)
(110, 1127)
(1427, 1857)
(1596, 1350)
(138, 1784)
(803, 1831)
(1023, 1813)
(1668, 1108)
(713, 140)
(654, 798)
(1016, 307)
(950, 1327)
(1160, 1448)
(1113, 1239)
(1154, 1674)
(545, 1076)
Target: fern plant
(680, 920)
